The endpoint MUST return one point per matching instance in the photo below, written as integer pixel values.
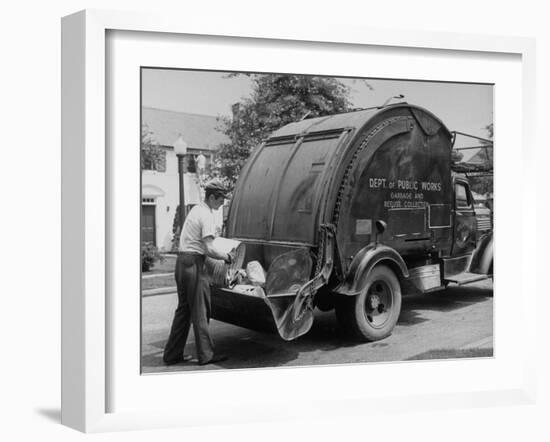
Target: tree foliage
(489, 129)
(484, 184)
(276, 100)
(151, 153)
(456, 156)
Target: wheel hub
(378, 303)
(373, 302)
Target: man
(196, 242)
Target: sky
(464, 107)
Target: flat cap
(217, 186)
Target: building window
(155, 160)
(461, 195)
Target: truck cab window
(461, 195)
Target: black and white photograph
(301, 220)
(243, 221)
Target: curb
(156, 275)
(159, 291)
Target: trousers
(193, 308)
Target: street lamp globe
(180, 146)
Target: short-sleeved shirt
(199, 224)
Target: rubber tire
(350, 310)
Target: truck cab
(470, 241)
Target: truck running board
(466, 278)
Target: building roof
(198, 131)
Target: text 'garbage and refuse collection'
(405, 193)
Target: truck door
(464, 226)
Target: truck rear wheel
(372, 315)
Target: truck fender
(364, 261)
(482, 258)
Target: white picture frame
(86, 203)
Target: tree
(276, 100)
(456, 156)
(151, 153)
(483, 184)
(489, 129)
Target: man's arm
(213, 252)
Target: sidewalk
(160, 280)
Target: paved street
(455, 323)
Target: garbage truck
(350, 212)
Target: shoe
(181, 359)
(215, 358)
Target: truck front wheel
(372, 315)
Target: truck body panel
(350, 191)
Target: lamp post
(180, 148)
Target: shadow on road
(453, 298)
(243, 352)
(252, 349)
